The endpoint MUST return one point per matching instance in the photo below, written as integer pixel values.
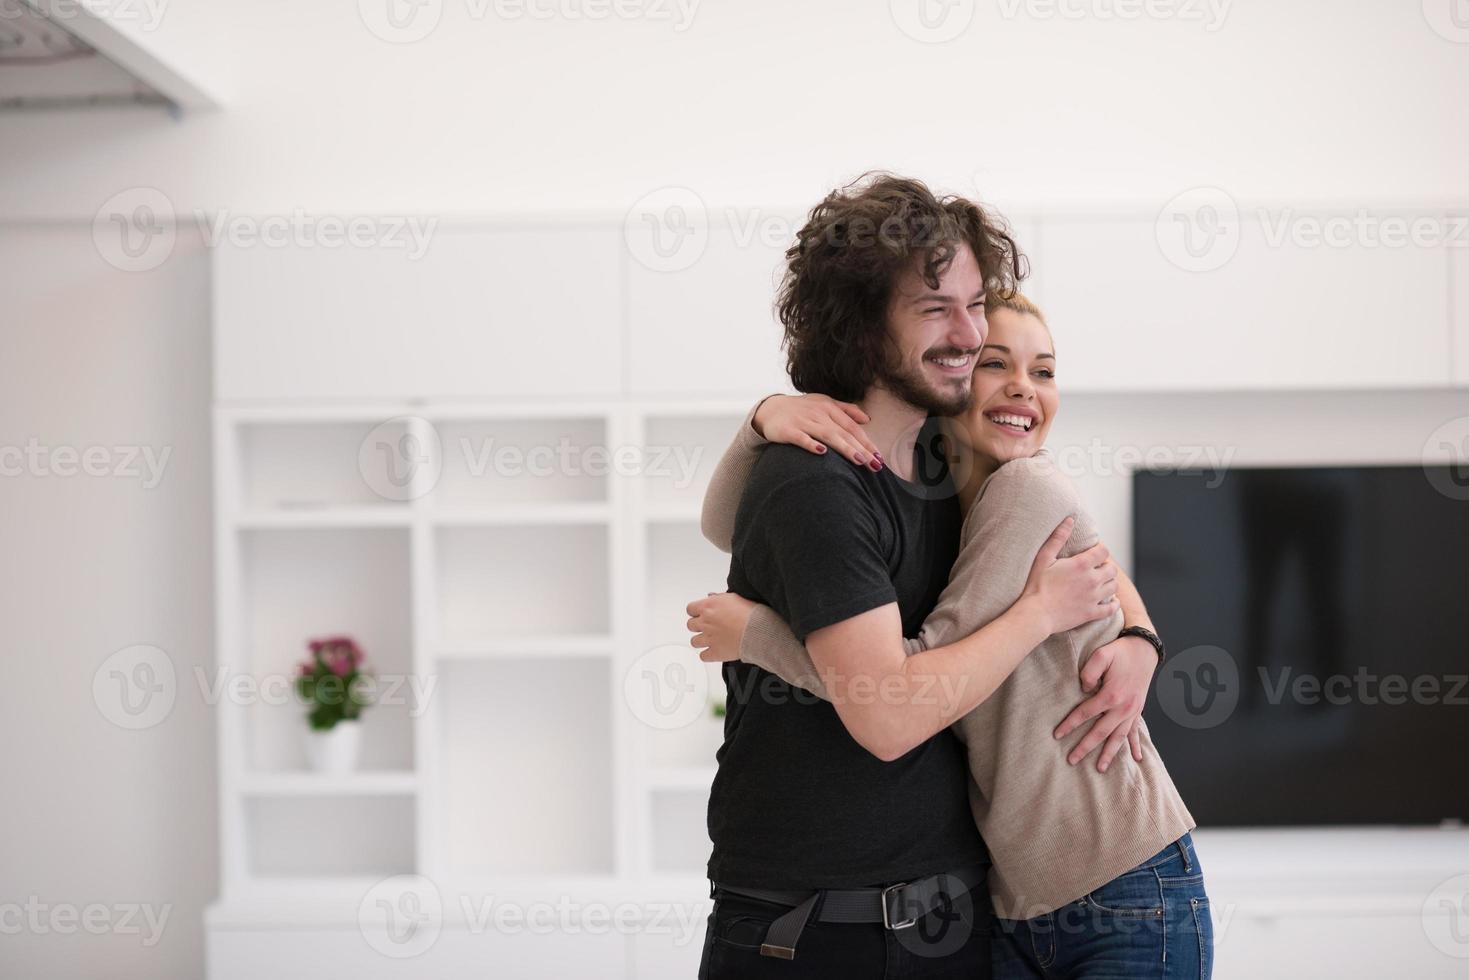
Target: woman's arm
(984, 625)
(726, 486)
(1121, 673)
(812, 422)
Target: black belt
(896, 906)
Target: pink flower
(339, 653)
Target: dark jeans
(1151, 922)
(950, 943)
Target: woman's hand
(718, 623)
(1125, 669)
(815, 422)
(1076, 590)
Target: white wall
(1288, 102)
(95, 813)
(765, 101)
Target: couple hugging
(934, 759)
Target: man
(843, 843)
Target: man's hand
(718, 624)
(1125, 669)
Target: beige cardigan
(1055, 832)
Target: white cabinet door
(702, 313)
(480, 313)
(1273, 313)
(1025, 229)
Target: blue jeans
(1151, 922)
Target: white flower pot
(334, 750)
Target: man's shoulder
(782, 465)
(792, 481)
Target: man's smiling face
(935, 334)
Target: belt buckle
(887, 922)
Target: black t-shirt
(797, 803)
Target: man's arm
(1003, 601)
(1131, 601)
(892, 703)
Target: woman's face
(1015, 396)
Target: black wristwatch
(1148, 635)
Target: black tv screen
(1317, 621)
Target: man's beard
(915, 389)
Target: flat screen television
(1317, 621)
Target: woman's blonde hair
(1016, 302)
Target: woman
(1094, 871)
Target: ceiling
(59, 55)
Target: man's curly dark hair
(846, 260)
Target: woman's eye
(1046, 373)
(998, 364)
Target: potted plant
(333, 684)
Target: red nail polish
(874, 464)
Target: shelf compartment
(693, 746)
(680, 453)
(491, 515)
(305, 583)
(310, 467)
(382, 783)
(384, 515)
(329, 836)
(535, 648)
(502, 582)
(678, 831)
(522, 460)
(689, 778)
(527, 766)
(682, 566)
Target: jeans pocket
(1136, 893)
(741, 923)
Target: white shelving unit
(518, 600)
